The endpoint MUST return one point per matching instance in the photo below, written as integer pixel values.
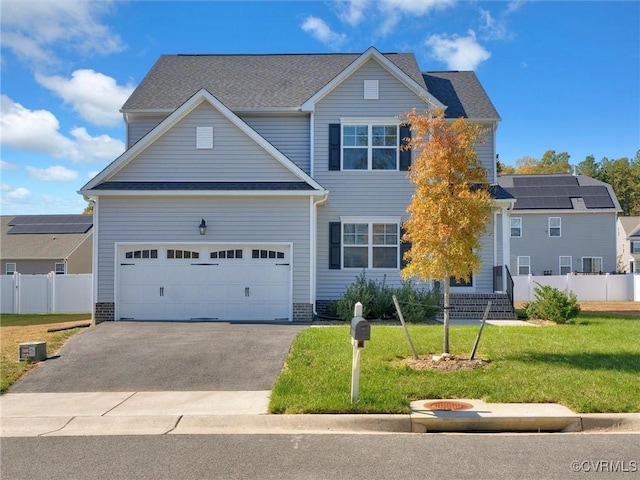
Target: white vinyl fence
(47, 293)
(588, 288)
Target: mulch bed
(451, 364)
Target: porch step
(470, 306)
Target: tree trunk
(445, 337)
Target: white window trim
(64, 268)
(559, 227)
(635, 246)
(528, 266)
(582, 262)
(369, 122)
(370, 221)
(8, 271)
(565, 266)
(511, 227)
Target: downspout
(313, 236)
(94, 261)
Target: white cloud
(352, 12)
(38, 131)
(95, 96)
(492, 29)
(55, 173)
(18, 195)
(319, 30)
(458, 53)
(394, 11)
(33, 30)
(5, 187)
(99, 148)
(7, 166)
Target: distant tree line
(623, 174)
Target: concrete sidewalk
(238, 412)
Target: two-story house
(561, 224)
(628, 234)
(257, 187)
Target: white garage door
(217, 282)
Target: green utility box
(33, 351)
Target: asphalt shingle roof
(462, 93)
(247, 81)
(630, 225)
(38, 246)
(559, 192)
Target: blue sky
(564, 76)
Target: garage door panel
(233, 287)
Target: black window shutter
(405, 155)
(334, 146)
(404, 247)
(335, 245)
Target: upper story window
(635, 247)
(369, 147)
(516, 226)
(369, 144)
(554, 226)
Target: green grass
(592, 366)
(11, 320)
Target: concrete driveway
(165, 356)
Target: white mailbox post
(360, 333)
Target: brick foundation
(322, 306)
(302, 312)
(104, 312)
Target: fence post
(16, 292)
(530, 283)
(51, 292)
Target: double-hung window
(565, 265)
(370, 244)
(524, 265)
(61, 268)
(635, 247)
(554, 226)
(370, 146)
(10, 268)
(516, 226)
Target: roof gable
(372, 54)
(630, 226)
(179, 114)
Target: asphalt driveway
(165, 356)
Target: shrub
(553, 304)
(377, 301)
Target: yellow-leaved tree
(451, 204)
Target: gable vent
(204, 137)
(371, 89)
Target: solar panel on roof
(598, 201)
(50, 224)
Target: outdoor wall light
(203, 227)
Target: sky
(563, 76)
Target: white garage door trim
(210, 284)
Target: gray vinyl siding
(138, 127)
(289, 134)
(486, 154)
(582, 235)
(229, 219)
(235, 156)
(365, 193)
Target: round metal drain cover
(447, 405)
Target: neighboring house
(35, 244)
(628, 233)
(561, 224)
(292, 166)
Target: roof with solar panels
(43, 236)
(560, 192)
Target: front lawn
(593, 366)
(16, 329)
